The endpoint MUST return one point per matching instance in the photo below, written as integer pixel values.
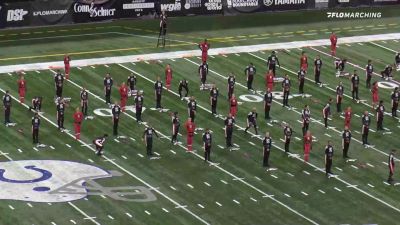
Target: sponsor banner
(2, 16)
(45, 12)
(16, 14)
(94, 10)
(137, 8)
(248, 6)
(190, 7)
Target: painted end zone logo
(61, 181)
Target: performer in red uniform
(78, 117)
(67, 59)
(123, 91)
(303, 61)
(269, 80)
(233, 106)
(204, 46)
(375, 95)
(347, 117)
(168, 76)
(333, 39)
(21, 89)
(190, 128)
(307, 145)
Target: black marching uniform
(192, 107)
(116, 111)
(272, 62)
(207, 140)
(326, 112)
(214, 99)
(175, 128)
(250, 71)
(395, 102)
(387, 72)
(36, 104)
(369, 70)
(99, 143)
(328, 159)
(267, 104)
(84, 102)
(139, 106)
(346, 138)
(365, 128)
(183, 84)
(7, 108)
(131, 82)
(231, 85)
(267, 144)
(355, 81)
(59, 81)
(317, 70)
(301, 76)
(287, 131)
(108, 83)
(203, 71)
(380, 111)
(148, 137)
(252, 121)
(397, 59)
(60, 115)
(286, 90)
(339, 97)
(306, 118)
(35, 129)
(158, 86)
(229, 123)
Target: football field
(126, 187)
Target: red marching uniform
(375, 95)
(190, 128)
(168, 77)
(78, 117)
(21, 90)
(233, 106)
(347, 118)
(123, 91)
(307, 146)
(204, 46)
(269, 80)
(303, 63)
(67, 59)
(333, 39)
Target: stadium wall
(26, 13)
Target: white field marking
(385, 163)
(207, 184)
(181, 54)
(319, 122)
(338, 168)
(34, 148)
(159, 61)
(323, 46)
(93, 67)
(211, 56)
(92, 219)
(355, 167)
(309, 34)
(157, 154)
(53, 223)
(109, 216)
(5, 154)
(370, 185)
(328, 135)
(370, 165)
(282, 140)
(79, 68)
(173, 152)
(52, 147)
(189, 185)
(128, 214)
(299, 121)
(133, 139)
(115, 164)
(360, 44)
(252, 143)
(198, 57)
(297, 138)
(147, 212)
(337, 189)
(165, 210)
(357, 132)
(257, 178)
(116, 140)
(69, 146)
(103, 196)
(269, 124)
(37, 71)
(306, 172)
(90, 160)
(106, 65)
(11, 207)
(236, 201)
(224, 182)
(225, 56)
(29, 204)
(49, 203)
(274, 176)
(10, 74)
(124, 157)
(304, 193)
(253, 199)
(352, 186)
(290, 174)
(140, 155)
(237, 54)
(386, 183)
(241, 178)
(287, 195)
(323, 192)
(220, 168)
(147, 62)
(348, 45)
(219, 204)
(72, 221)
(200, 205)
(173, 188)
(220, 146)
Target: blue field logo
(62, 181)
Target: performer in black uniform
(250, 72)
(58, 83)
(84, 101)
(287, 131)
(395, 101)
(139, 106)
(346, 138)
(116, 111)
(175, 127)
(214, 93)
(183, 84)
(231, 85)
(148, 139)
(267, 103)
(272, 62)
(35, 128)
(229, 124)
(207, 141)
(108, 83)
(286, 90)
(328, 158)
(252, 120)
(163, 29)
(99, 143)
(7, 107)
(36, 104)
(158, 87)
(192, 108)
(60, 114)
(267, 144)
(365, 127)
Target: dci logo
(268, 2)
(16, 15)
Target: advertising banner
(249, 6)
(48, 12)
(190, 7)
